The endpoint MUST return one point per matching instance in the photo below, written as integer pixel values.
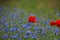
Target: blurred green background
(34, 6)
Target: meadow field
(14, 23)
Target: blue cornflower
(5, 36)
(15, 16)
(47, 22)
(28, 27)
(36, 32)
(15, 25)
(37, 18)
(28, 24)
(18, 29)
(56, 31)
(42, 29)
(6, 24)
(25, 26)
(20, 20)
(15, 36)
(35, 28)
(11, 15)
(43, 32)
(2, 21)
(19, 38)
(13, 29)
(34, 36)
(4, 18)
(47, 26)
(6, 29)
(26, 36)
(2, 8)
(28, 32)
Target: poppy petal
(52, 23)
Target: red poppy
(32, 19)
(52, 23)
(58, 23)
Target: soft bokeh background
(17, 12)
(35, 6)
